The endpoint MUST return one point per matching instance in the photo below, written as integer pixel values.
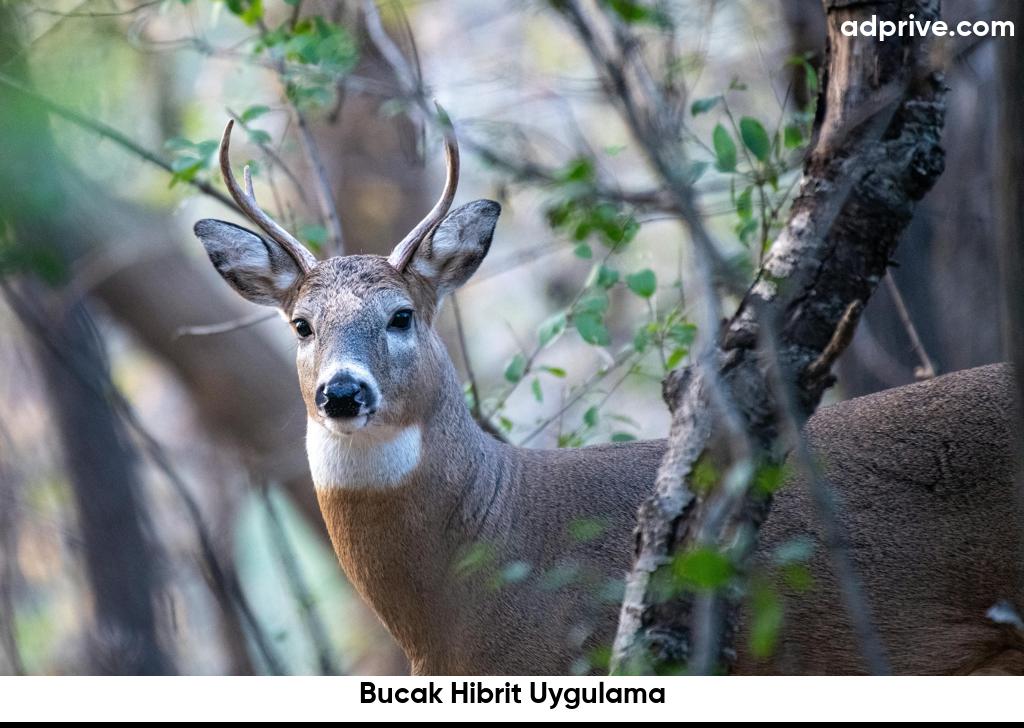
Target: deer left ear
(450, 256)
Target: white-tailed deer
(485, 558)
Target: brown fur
(925, 477)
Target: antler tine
(246, 201)
(404, 251)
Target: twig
(854, 598)
(464, 348)
(324, 193)
(584, 388)
(113, 135)
(300, 589)
(927, 368)
(107, 14)
(272, 156)
(244, 322)
(841, 338)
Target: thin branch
(584, 389)
(927, 369)
(324, 193)
(311, 619)
(854, 599)
(113, 135)
(464, 348)
(244, 322)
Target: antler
(404, 251)
(246, 201)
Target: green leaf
(755, 138)
(590, 417)
(643, 283)
(515, 571)
(586, 529)
(744, 204)
(676, 357)
(253, 13)
(725, 149)
(622, 437)
(634, 11)
(792, 136)
(641, 339)
(592, 329)
(177, 144)
(767, 610)
(682, 333)
(313, 235)
(538, 393)
(253, 113)
(696, 170)
(703, 568)
(770, 478)
(258, 136)
(580, 169)
(583, 251)
(516, 368)
(607, 277)
(555, 371)
(551, 329)
(477, 557)
(702, 106)
(794, 551)
(595, 302)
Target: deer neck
(402, 505)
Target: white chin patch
(378, 457)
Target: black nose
(344, 396)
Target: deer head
(367, 353)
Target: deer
(427, 511)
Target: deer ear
(457, 247)
(260, 270)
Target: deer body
(924, 474)
(485, 558)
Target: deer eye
(401, 319)
(302, 328)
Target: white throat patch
(380, 458)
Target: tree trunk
(876, 151)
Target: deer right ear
(260, 270)
(454, 251)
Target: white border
(337, 699)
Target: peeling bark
(876, 152)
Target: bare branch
(927, 368)
(245, 322)
(311, 619)
(108, 132)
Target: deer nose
(344, 396)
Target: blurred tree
(118, 553)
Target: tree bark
(876, 151)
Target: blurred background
(156, 512)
